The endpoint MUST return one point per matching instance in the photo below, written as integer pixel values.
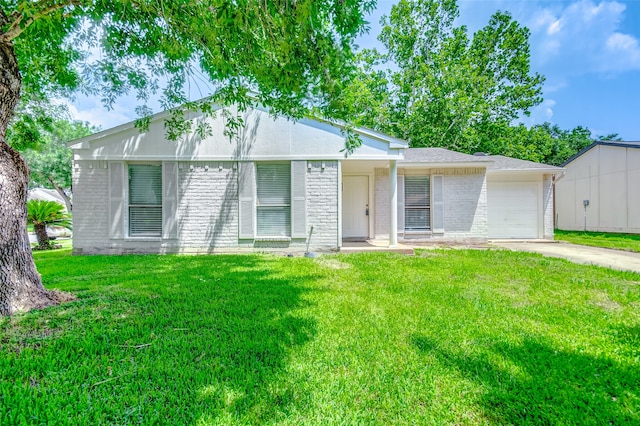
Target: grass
(445, 337)
(626, 242)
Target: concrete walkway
(614, 259)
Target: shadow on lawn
(549, 386)
(171, 340)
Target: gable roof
(163, 115)
(503, 164)
(621, 144)
(441, 157)
(263, 137)
(494, 163)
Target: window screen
(274, 200)
(145, 200)
(417, 204)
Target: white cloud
(91, 110)
(619, 41)
(554, 85)
(622, 53)
(581, 37)
(542, 19)
(555, 27)
(540, 113)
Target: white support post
(393, 203)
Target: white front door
(355, 207)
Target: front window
(417, 203)
(274, 199)
(145, 200)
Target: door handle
(366, 212)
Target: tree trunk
(61, 192)
(21, 287)
(41, 235)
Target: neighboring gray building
(601, 176)
(282, 184)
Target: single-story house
(597, 192)
(46, 195)
(284, 184)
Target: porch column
(393, 203)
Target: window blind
(417, 203)
(145, 200)
(273, 210)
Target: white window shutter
(247, 201)
(400, 190)
(298, 199)
(438, 204)
(170, 200)
(117, 194)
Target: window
(417, 203)
(274, 200)
(145, 200)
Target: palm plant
(43, 213)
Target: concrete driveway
(614, 259)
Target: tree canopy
(441, 86)
(437, 85)
(293, 54)
(50, 159)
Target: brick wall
(465, 205)
(90, 204)
(207, 204)
(207, 211)
(322, 204)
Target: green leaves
(41, 212)
(294, 54)
(50, 159)
(443, 88)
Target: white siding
(263, 138)
(607, 176)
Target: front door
(355, 207)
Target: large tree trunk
(20, 284)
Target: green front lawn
(445, 337)
(627, 242)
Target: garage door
(513, 209)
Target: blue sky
(589, 52)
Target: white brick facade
(207, 212)
(209, 188)
(207, 205)
(90, 204)
(322, 204)
(465, 204)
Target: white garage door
(513, 209)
